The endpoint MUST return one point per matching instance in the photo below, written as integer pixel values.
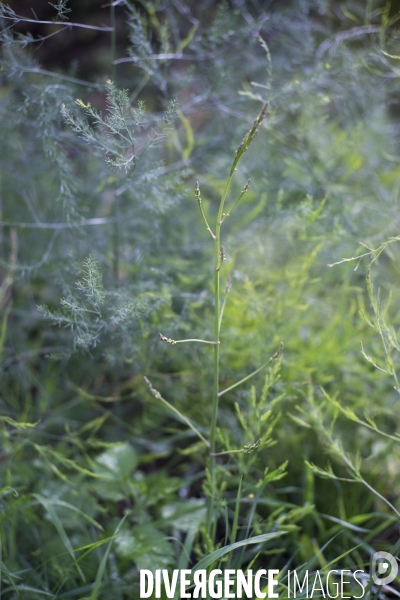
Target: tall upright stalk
(219, 257)
(218, 260)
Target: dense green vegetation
(105, 424)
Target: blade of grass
(186, 550)
(63, 504)
(102, 566)
(207, 561)
(48, 506)
(235, 519)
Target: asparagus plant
(219, 258)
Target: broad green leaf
(117, 462)
(114, 465)
(146, 546)
(186, 516)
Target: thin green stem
(157, 395)
(221, 312)
(269, 361)
(214, 414)
(242, 193)
(205, 221)
(211, 521)
(173, 342)
(198, 198)
(373, 490)
(195, 340)
(227, 291)
(241, 451)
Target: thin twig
(228, 288)
(272, 359)
(198, 198)
(65, 225)
(19, 19)
(157, 395)
(59, 76)
(173, 342)
(335, 41)
(242, 193)
(241, 451)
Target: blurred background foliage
(96, 260)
